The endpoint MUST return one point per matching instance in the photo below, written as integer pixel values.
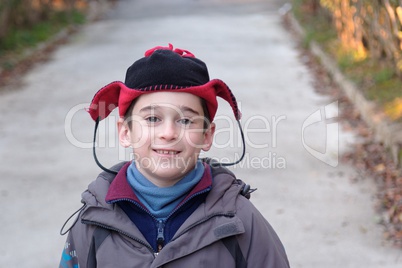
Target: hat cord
(94, 151)
(243, 145)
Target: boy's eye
(185, 121)
(152, 119)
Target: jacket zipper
(160, 240)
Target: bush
(19, 17)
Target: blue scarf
(161, 201)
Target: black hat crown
(166, 68)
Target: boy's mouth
(167, 152)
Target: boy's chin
(171, 172)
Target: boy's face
(167, 134)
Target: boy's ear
(209, 137)
(124, 133)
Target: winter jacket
(225, 230)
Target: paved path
(323, 219)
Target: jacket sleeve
(260, 244)
(69, 256)
(76, 248)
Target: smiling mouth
(167, 152)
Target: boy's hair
(127, 116)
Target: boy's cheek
(195, 140)
(140, 135)
(139, 129)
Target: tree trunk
(5, 15)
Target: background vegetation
(26, 23)
(365, 38)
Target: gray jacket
(224, 231)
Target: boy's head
(181, 107)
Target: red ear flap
(223, 91)
(105, 101)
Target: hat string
(243, 145)
(94, 151)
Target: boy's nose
(169, 131)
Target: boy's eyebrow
(183, 108)
(148, 108)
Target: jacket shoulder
(108, 176)
(218, 169)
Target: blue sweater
(161, 201)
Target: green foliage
(384, 76)
(345, 60)
(19, 38)
(318, 26)
(400, 156)
(385, 91)
(329, 4)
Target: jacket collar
(120, 188)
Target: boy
(167, 207)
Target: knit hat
(162, 69)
